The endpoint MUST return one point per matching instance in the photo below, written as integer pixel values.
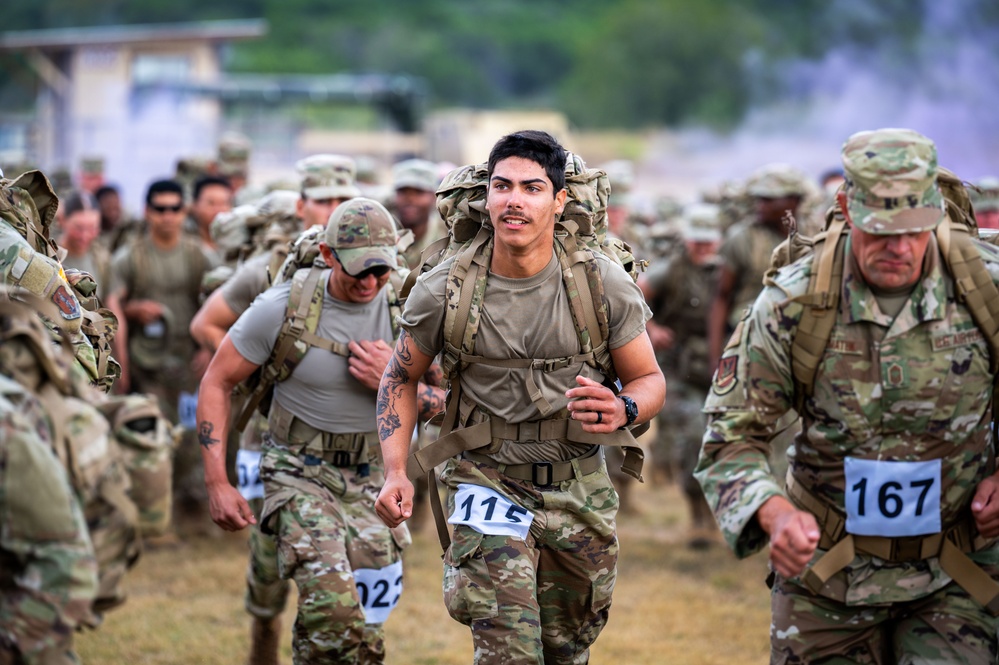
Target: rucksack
(581, 230)
(973, 283)
(580, 233)
(84, 443)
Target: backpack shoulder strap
(466, 289)
(973, 282)
(297, 335)
(821, 304)
(587, 301)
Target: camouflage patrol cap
(415, 173)
(701, 223)
(362, 232)
(621, 174)
(328, 177)
(891, 183)
(278, 203)
(233, 154)
(94, 165)
(985, 194)
(775, 181)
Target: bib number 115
(892, 499)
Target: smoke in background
(942, 81)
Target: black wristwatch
(630, 410)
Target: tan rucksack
(579, 234)
(973, 283)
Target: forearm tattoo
(396, 376)
(430, 399)
(205, 431)
(434, 376)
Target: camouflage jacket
(914, 388)
(48, 573)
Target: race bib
(489, 512)
(248, 480)
(892, 499)
(154, 330)
(380, 590)
(187, 410)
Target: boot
(264, 637)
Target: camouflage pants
(944, 628)
(681, 428)
(325, 528)
(188, 470)
(266, 592)
(543, 600)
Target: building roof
(65, 38)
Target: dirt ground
(672, 604)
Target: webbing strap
(295, 314)
(821, 307)
(312, 339)
(435, 248)
(478, 436)
(842, 550)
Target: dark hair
(164, 187)
(104, 190)
(208, 181)
(76, 201)
(537, 146)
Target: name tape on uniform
(489, 512)
(892, 499)
(380, 590)
(248, 480)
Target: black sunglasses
(173, 208)
(377, 271)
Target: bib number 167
(892, 499)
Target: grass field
(671, 605)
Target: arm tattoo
(395, 377)
(205, 431)
(430, 400)
(434, 376)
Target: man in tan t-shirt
(529, 592)
(320, 467)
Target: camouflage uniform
(48, 572)
(545, 595)
(322, 176)
(682, 293)
(320, 488)
(913, 388)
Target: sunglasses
(173, 208)
(377, 271)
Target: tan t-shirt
(746, 252)
(171, 277)
(525, 318)
(321, 390)
(248, 282)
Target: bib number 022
(892, 499)
(379, 590)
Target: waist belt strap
(338, 449)
(481, 435)
(950, 546)
(543, 474)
